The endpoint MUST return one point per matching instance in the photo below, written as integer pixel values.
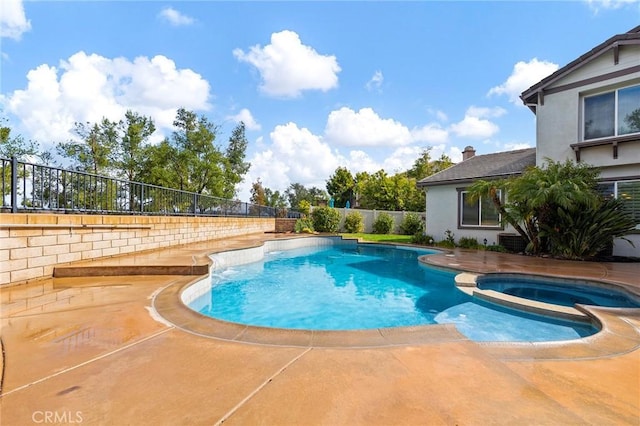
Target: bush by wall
(304, 225)
(353, 223)
(325, 219)
(412, 224)
(383, 224)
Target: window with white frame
(480, 213)
(628, 191)
(614, 113)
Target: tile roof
(487, 166)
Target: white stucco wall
(442, 215)
(559, 124)
(559, 121)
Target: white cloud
(597, 5)
(295, 155)
(475, 125)
(287, 67)
(523, 76)
(440, 115)
(174, 17)
(512, 146)
(359, 161)
(365, 128)
(401, 159)
(247, 118)
(13, 20)
(90, 87)
(375, 82)
(432, 133)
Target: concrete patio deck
(93, 350)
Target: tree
(296, 192)
(383, 192)
(93, 153)
(134, 133)
(235, 167)
(258, 195)
(424, 166)
(15, 146)
(275, 198)
(197, 162)
(341, 187)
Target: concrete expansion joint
(259, 388)
(82, 364)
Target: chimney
(468, 153)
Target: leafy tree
(134, 132)
(198, 161)
(158, 167)
(383, 192)
(93, 153)
(341, 187)
(424, 166)
(235, 167)
(258, 195)
(296, 193)
(15, 146)
(275, 198)
(377, 191)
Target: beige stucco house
(588, 111)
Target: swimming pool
(362, 286)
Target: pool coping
(616, 335)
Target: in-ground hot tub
(558, 291)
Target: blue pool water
(364, 287)
(558, 293)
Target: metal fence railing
(31, 187)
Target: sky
(365, 85)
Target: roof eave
(530, 96)
(466, 180)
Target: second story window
(615, 113)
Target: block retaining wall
(32, 244)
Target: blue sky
(365, 85)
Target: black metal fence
(28, 187)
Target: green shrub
(353, 223)
(304, 225)
(423, 239)
(325, 219)
(468, 243)
(584, 232)
(304, 207)
(496, 247)
(412, 224)
(446, 244)
(449, 238)
(383, 224)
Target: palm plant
(556, 209)
(583, 233)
